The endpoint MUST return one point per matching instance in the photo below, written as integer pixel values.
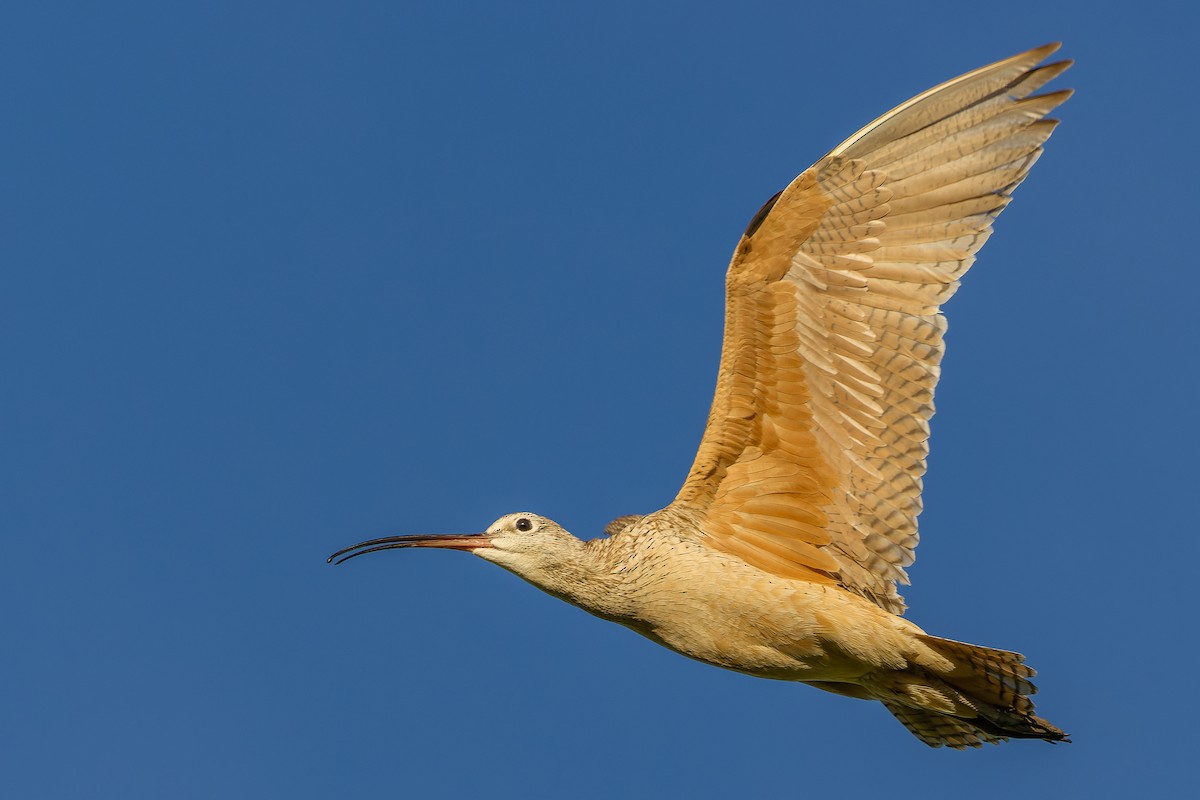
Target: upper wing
(812, 458)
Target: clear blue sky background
(279, 277)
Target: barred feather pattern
(939, 730)
(997, 677)
(812, 461)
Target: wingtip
(1055, 68)
(1036, 54)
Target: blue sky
(279, 277)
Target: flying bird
(781, 554)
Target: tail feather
(997, 677)
(982, 698)
(937, 730)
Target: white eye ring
(524, 524)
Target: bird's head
(527, 544)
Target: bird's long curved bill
(468, 541)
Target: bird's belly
(786, 630)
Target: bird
(781, 554)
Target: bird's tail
(983, 697)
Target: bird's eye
(523, 524)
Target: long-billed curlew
(780, 555)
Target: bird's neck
(591, 579)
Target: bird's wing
(812, 458)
